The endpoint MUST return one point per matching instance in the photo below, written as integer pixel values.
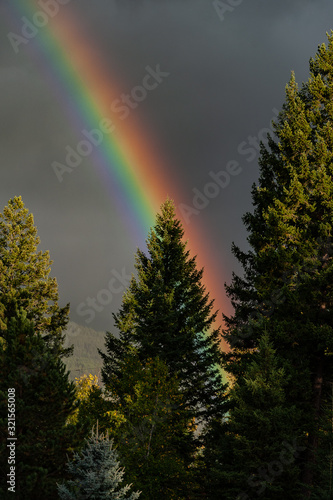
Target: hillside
(86, 358)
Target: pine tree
(153, 430)
(44, 399)
(288, 270)
(256, 451)
(96, 473)
(24, 276)
(167, 313)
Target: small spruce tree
(96, 473)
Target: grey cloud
(225, 79)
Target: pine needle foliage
(257, 450)
(44, 399)
(153, 430)
(288, 270)
(24, 276)
(96, 473)
(166, 313)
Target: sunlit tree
(288, 270)
(166, 313)
(24, 276)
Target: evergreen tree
(92, 406)
(255, 451)
(44, 399)
(96, 473)
(167, 313)
(24, 276)
(288, 270)
(153, 430)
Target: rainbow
(136, 175)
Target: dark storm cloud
(225, 76)
(225, 79)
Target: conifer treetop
(166, 312)
(96, 473)
(25, 272)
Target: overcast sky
(228, 67)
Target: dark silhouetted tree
(255, 451)
(166, 313)
(288, 270)
(44, 399)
